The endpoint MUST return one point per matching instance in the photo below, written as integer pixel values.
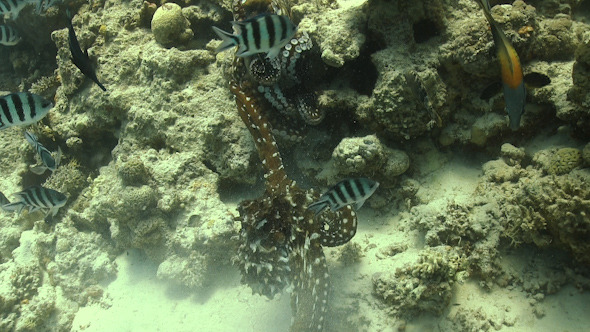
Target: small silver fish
(37, 198)
(22, 108)
(49, 163)
(265, 33)
(346, 192)
(8, 35)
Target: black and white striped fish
(266, 33)
(11, 8)
(8, 35)
(49, 163)
(22, 108)
(350, 191)
(37, 198)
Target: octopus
(281, 81)
(281, 242)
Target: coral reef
(424, 286)
(368, 155)
(169, 26)
(544, 210)
(154, 163)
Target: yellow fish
(512, 78)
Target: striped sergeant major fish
(49, 163)
(512, 77)
(8, 35)
(22, 108)
(37, 198)
(79, 58)
(11, 8)
(346, 192)
(265, 33)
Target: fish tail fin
(318, 207)
(16, 206)
(3, 200)
(228, 39)
(31, 138)
(514, 121)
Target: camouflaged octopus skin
(293, 107)
(280, 240)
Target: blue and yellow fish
(512, 77)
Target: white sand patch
(138, 301)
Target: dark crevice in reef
(210, 166)
(359, 74)
(424, 30)
(233, 192)
(365, 73)
(96, 149)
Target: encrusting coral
(423, 286)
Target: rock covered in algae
(471, 227)
(558, 161)
(133, 172)
(548, 211)
(369, 156)
(586, 154)
(339, 32)
(185, 271)
(422, 286)
(170, 27)
(511, 154)
(486, 127)
(580, 91)
(564, 161)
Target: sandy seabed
(138, 301)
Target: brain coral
(564, 161)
